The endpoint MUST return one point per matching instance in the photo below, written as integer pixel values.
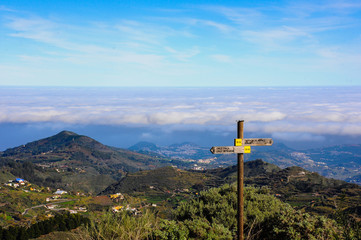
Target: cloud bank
(281, 112)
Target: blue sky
(188, 43)
(302, 57)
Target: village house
(51, 206)
(117, 195)
(60, 192)
(117, 208)
(20, 181)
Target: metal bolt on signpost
(241, 146)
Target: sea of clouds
(288, 114)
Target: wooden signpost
(241, 146)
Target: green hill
(162, 183)
(73, 161)
(252, 168)
(297, 186)
(71, 147)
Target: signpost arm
(240, 183)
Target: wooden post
(241, 146)
(240, 183)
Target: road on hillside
(43, 205)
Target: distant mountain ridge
(340, 162)
(144, 146)
(186, 150)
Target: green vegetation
(212, 215)
(62, 222)
(265, 216)
(122, 226)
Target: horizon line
(237, 86)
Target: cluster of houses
(16, 183)
(118, 196)
(197, 168)
(56, 195)
(26, 187)
(19, 182)
(55, 207)
(134, 211)
(60, 192)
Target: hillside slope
(295, 185)
(163, 182)
(80, 162)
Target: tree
(351, 228)
(22, 234)
(10, 233)
(34, 231)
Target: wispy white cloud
(335, 7)
(221, 58)
(224, 28)
(183, 55)
(46, 31)
(141, 32)
(6, 9)
(240, 16)
(276, 39)
(35, 28)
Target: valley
(340, 162)
(70, 173)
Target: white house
(60, 192)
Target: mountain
(145, 146)
(80, 161)
(70, 148)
